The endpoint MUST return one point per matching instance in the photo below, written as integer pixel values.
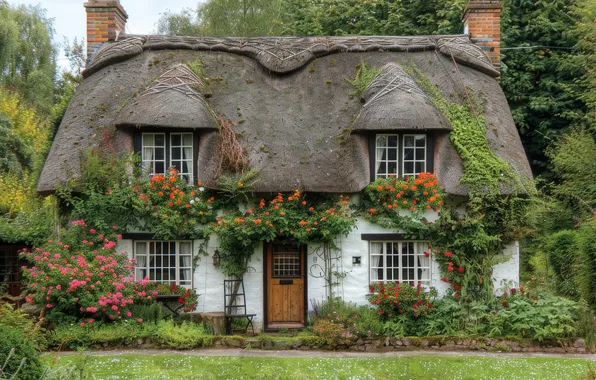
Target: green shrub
(185, 335)
(562, 252)
(585, 279)
(13, 338)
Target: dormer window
(399, 155)
(162, 150)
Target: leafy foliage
(363, 77)
(27, 56)
(12, 364)
(368, 18)
(541, 83)
(82, 277)
(225, 18)
(292, 216)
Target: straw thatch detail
(173, 100)
(286, 54)
(393, 101)
(391, 78)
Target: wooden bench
(235, 304)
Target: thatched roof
(288, 100)
(172, 100)
(411, 109)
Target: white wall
(208, 280)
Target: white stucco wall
(208, 280)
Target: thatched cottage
(299, 126)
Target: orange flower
(372, 211)
(308, 230)
(290, 198)
(282, 213)
(412, 209)
(303, 203)
(345, 203)
(414, 188)
(276, 207)
(311, 209)
(379, 188)
(160, 193)
(257, 221)
(187, 205)
(240, 184)
(200, 183)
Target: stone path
(327, 354)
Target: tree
(372, 17)
(226, 18)
(540, 83)
(27, 56)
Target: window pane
(160, 168)
(392, 141)
(160, 139)
(185, 274)
(381, 168)
(420, 141)
(159, 154)
(419, 167)
(141, 260)
(186, 167)
(187, 139)
(176, 165)
(392, 154)
(408, 154)
(420, 154)
(409, 141)
(176, 139)
(185, 248)
(408, 167)
(381, 141)
(187, 153)
(148, 139)
(176, 153)
(392, 168)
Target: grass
(176, 366)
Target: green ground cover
(185, 366)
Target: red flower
(450, 269)
(448, 254)
(180, 300)
(460, 270)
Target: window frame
(138, 146)
(177, 267)
(418, 245)
(372, 149)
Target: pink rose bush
(82, 276)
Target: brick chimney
(482, 21)
(106, 19)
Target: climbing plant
(294, 216)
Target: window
(403, 261)
(398, 155)
(167, 262)
(161, 150)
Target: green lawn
(184, 366)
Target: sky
(69, 16)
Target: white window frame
(186, 175)
(150, 267)
(168, 161)
(420, 258)
(378, 160)
(414, 161)
(146, 162)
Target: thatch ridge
(282, 55)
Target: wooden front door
(285, 289)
